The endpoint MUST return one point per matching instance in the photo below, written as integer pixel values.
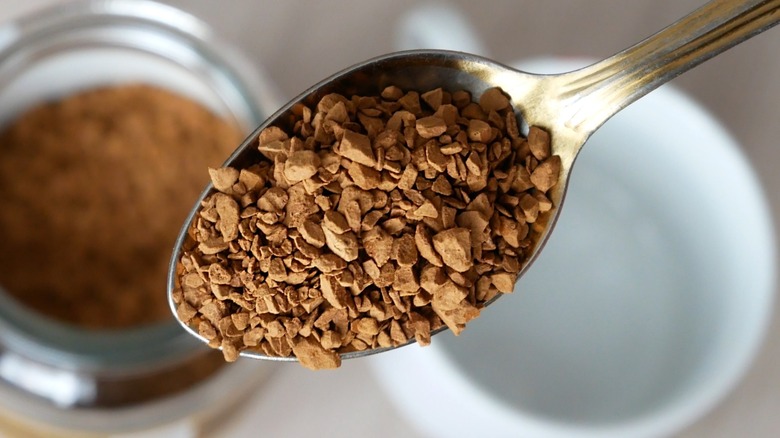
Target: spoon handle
(592, 95)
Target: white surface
(297, 402)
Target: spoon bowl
(570, 106)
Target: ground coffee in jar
(93, 189)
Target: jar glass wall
(59, 376)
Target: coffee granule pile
(93, 190)
(372, 222)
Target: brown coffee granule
(93, 190)
(374, 221)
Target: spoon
(571, 106)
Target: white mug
(647, 304)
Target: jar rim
(66, 14)
(253, 86)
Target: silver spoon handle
(594, 94)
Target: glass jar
(57, 379)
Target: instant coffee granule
(372, 222)
(93, 190)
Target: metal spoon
(571, 106)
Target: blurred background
(298, 43)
